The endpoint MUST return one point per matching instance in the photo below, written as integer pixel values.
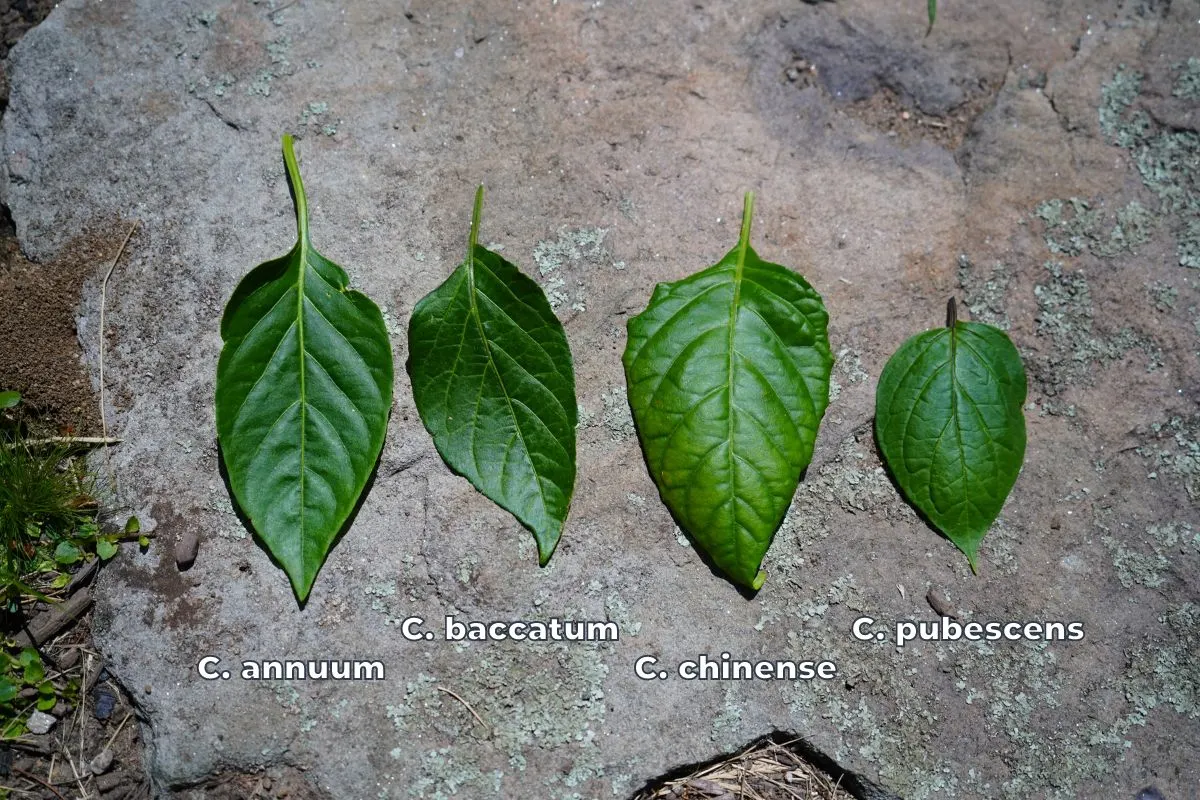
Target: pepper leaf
(304, 385)
(728, 376)
(493, 382)
(950, 426)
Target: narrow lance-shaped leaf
(493, 382)
(304, 385)
(949, 423)
(728, 376)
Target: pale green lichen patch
(316, 115)
(1066, 317)
(1187, 85)
(1162, 673)
(727, 724)
(569, 248)
(1162, 296)
(1165, 158)
(985, 296)
(847, 368)
(1073, 227)
(1174, 451)
(562, 261)
(617, 610)
(442, 776)
(617, 419)
(1135, 567)
(532, 695)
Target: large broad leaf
(950, 426)
(728, 375)
(493, 383)
(304, 385)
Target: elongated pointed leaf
(949, 423)
(304, 385)
(493, 382)
(728, 378)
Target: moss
(986, 297)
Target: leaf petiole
(476, 215)
(296, 186)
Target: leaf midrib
(735, 302)
(302, 235)
(487, 348)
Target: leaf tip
(759, 580)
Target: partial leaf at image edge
(950, 426)
(304, 385)
(494, 384)
(728, 379)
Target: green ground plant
(48, 523)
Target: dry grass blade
(103, 303)
(767, 770)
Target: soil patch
(39, 344)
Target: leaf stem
(747, 217)
(951, 313)
(296, 185)
(476, 214)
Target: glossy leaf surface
(728, 378)
(304, 385)
(950, 426)
(494, 384)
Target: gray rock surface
(616, 139)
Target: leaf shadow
(249, 526)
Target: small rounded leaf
(950, 426)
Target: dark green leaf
(931, 9)
(950, 426)
(132, 526)
(728, 374)
(493, 382)
(9, 399)
(34, 671)
(304, 385)
(66, 553)
(8, 690)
